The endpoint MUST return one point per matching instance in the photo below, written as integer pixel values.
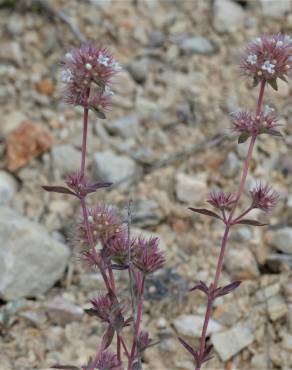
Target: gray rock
(231, 166)
(10, 51)
(241, 234)
(241, 263)
(15, 25)
(139, 69)
(8, 187)
(275, 9)
(146, 212)
(31, 262)
(197, 45)
(65, 159)
(228, 16)
(126, 127)
(109, 166)
(277, 307)
(11, 122)
(230, 342)
(191, 325)
(62, 312)
(282, 240)
(191, 189)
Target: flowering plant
(265, 60)
(104, 240)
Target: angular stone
(276, 9)
(228, 16)
(197, 45)
(282, 240)
(109, 166)
(8, 187)
(139, 69)
(191, 325)
(191, 189)
(277, 308)
(65, 159)
(241, 263)
(126, 127)
(61, 311)
(31, 262)
(232, 341)
(28, 141)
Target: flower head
(264, 197)
(87, 73)
(102, 307)
(268, 58)
(144, 341)
(146, 255)
(265, 123)
(104, 224)
(221, 200)
(108, 361)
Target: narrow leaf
(119, 267)
(251, 222)
(58, 189)
(255, 81)
(68, 367)
(202, 287)
(206, 212)
(243, 137)
(227, 289)
(273, 83)
(283, 78)
(108, 336)
(90, 312)
(98, 112)
(187, 347)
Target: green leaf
(273, 83)
(255, 81)
(283, 78)
(243, 137)
(98, 112)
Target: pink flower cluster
(87, 73)
(268, 58)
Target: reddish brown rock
(45, 87)
(25, 143)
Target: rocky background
(165, 144)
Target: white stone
(8, 187)
(232, 341)
(65, 159)
(109, 166)
(31, 261)
(276, 9)
(191, 325)
(228, 16)
(191, 189)
(282, 240)
(197, 45)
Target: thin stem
(124, 346)
(131, 285)
(137, 321)
(84, 136)
(228, 224)
(118, 347)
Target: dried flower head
(108, 361)
(82, 186)
(104, 223)
(264, 197)
(268, 58)
(265, 123)
(144, 341)
(117, 249)
(221, 200)
(147, 257)
(87, 72)
(102, 307)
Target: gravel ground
(166, 143)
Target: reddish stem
(228, 225)
(137, 322)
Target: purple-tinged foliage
(268, 58)
(264, 197)
(147, 257)
(204, 211)
(221, 200)
(108, 361)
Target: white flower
(252, 59)
(66, 75)
(279, 43)
(268, 110)
(108, 91)
(104, 60)
(69, 56)
(88, 66)
(269, 67)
